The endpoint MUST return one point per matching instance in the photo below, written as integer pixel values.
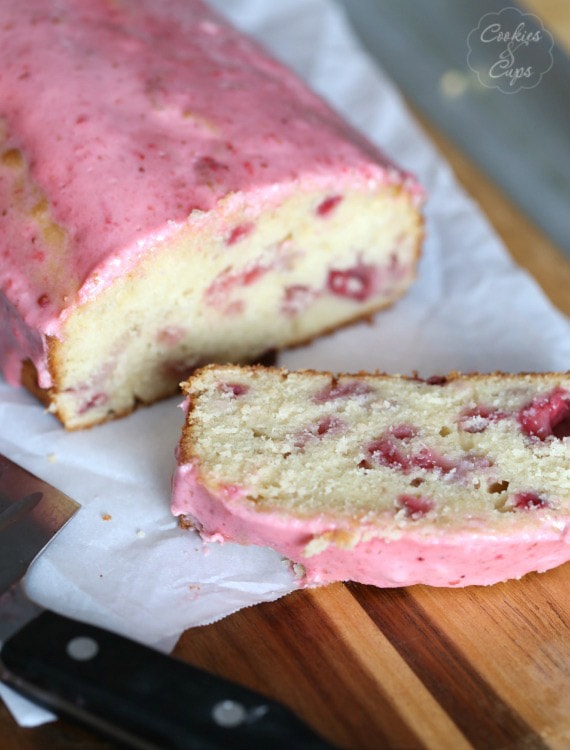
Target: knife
(126, 691)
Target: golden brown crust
(438, 380)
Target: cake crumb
(106, 517)
(52, 458)
(141, 534)
(297, 569)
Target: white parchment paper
(122, 562)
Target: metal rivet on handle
(82, 648)
(229, 713)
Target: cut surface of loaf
(171, 196)
(387, 480)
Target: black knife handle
(139, 696)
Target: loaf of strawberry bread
(171, 196)
(386, 480)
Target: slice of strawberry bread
(387, 480)
(172, 196)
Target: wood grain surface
(406, 669)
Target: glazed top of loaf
(129, 116)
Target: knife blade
(122, 689)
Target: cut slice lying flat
(382, 479)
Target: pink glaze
(131, 116)
(475, 554)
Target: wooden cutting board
(410, 668)
(406, 669)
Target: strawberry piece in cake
(547, 415)
(381, 479)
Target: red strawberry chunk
(240, 232)
(403, 431)
(547, 415)
(385, 452)
(329, 424)
(328, 205)
(393, 450)
(387, 449)
(233, 389)
(228, 281)
(342, 390)
(415, 506)
(358, 283)
(429, 459)
(251, 275)
(529, 501)
(326, 425)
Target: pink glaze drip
(438, 558)
(132, 115)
